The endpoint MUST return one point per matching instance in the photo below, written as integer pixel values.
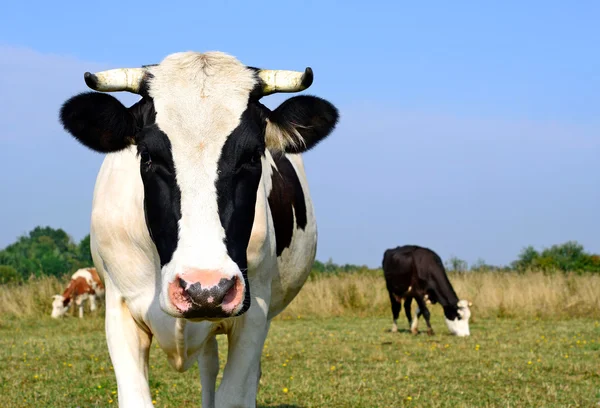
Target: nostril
(182, 283)
(227, 287)
(234, 296)
(230, 291)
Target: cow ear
(99, 121)
(299, 123)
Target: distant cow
(85, 285)
(415, 272)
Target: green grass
(334, 362)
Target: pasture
(535, 342)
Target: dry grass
(532, 294)
(363, 294)
(31, 298)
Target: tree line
(46, 251)
(566, 257)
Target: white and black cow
(414, 272)
(202, 220)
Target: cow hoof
(394, 330)
(430, 332)
(414, 331)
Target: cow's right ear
(99, 121)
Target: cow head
(200, 133)
(457, 320)
(59, 306)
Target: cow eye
(255, 159)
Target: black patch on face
(451, 312)
(162, 196)
(286, 194)
(239, 172)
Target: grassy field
(525, 351)
(335, 362)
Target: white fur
(85, 274)
(214, 103)
(460, 327)
(123, 251)
(58, 309)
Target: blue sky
(469, 128)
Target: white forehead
(200, 96)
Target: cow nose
(201, 293)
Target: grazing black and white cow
(412, 271)
(202, 221)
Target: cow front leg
(129, 349)
(246, 339)
(208, 365)
(425, 312)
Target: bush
(8, 274)
(569, 256)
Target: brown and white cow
(202, 221)
(85, 284)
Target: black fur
(423, 270)
(239, 169)
(285, 199)
(99, 121)
(314, 118)
(162, 196)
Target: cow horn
(277, 80)
(113, 80)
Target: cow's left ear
(299, 123)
